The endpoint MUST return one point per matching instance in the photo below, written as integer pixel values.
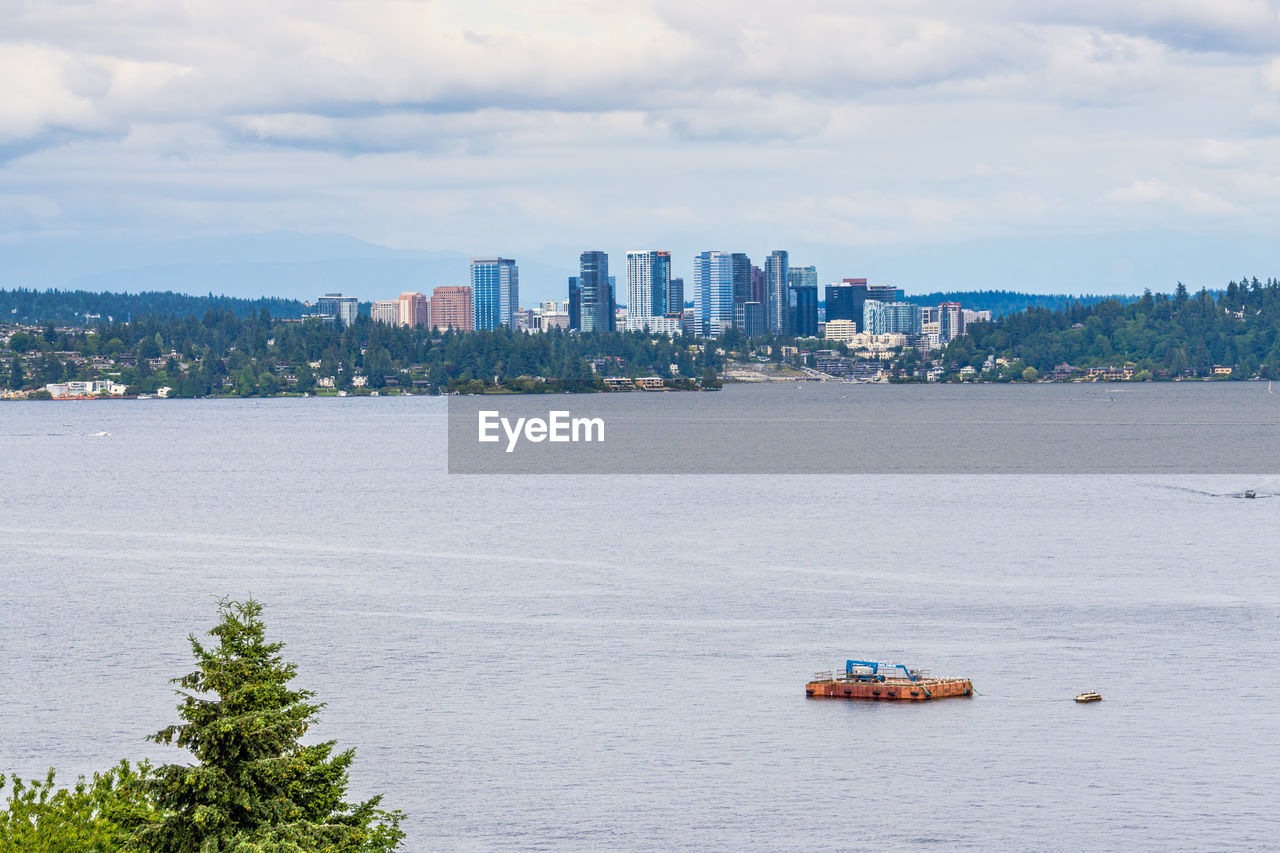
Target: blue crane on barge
(857, 670)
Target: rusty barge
(885, 682)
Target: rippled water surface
(618, 662)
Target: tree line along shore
(246, 348)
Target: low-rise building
(1064, 371)
(546, 319)
(89, 388)
(663, 325)
(843, 331)
(834, 365)
(865, 343)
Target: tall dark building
(575, 308)
(595, 293)
(776, 270)
(802, 311)
(675, 296)
(845, 300)
(613, 303)
(758, 287)
(741, 283)
(840, 303)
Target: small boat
(1250, 493)
(1091, 696)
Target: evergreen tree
(92, 816)
(256, 788)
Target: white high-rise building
(338, 307)
(648, 282)
(385, 311)
(713, 292)
(884, 318)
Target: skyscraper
(802, 311)
(713, 292)
(648, 283)
(675, 296)
(452, 308)
(413, 309)
(775, 274)
(613, 302)
(595, 293)
(495, 289)
(758, 289)
(845, 300)
(575, 305)
(841, 300)
(802, 276)
(886, 318)
(951, 315)
(741, 284)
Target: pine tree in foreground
(256, 787)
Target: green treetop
(256, 788)
(92, 816)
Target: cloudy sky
(1079, 146)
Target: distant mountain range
(293, 265)
(278, 264)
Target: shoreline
(726, 383)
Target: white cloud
(1206, 204)
(47, 89)
(1270, 76)
(1141, 192)
(823, 120)
(1191, 201)
(1218, 152)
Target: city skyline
(730, 292)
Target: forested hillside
(1182, 334)
(224, 353)
(83, 308)
(1001, 302)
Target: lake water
(618, 662)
